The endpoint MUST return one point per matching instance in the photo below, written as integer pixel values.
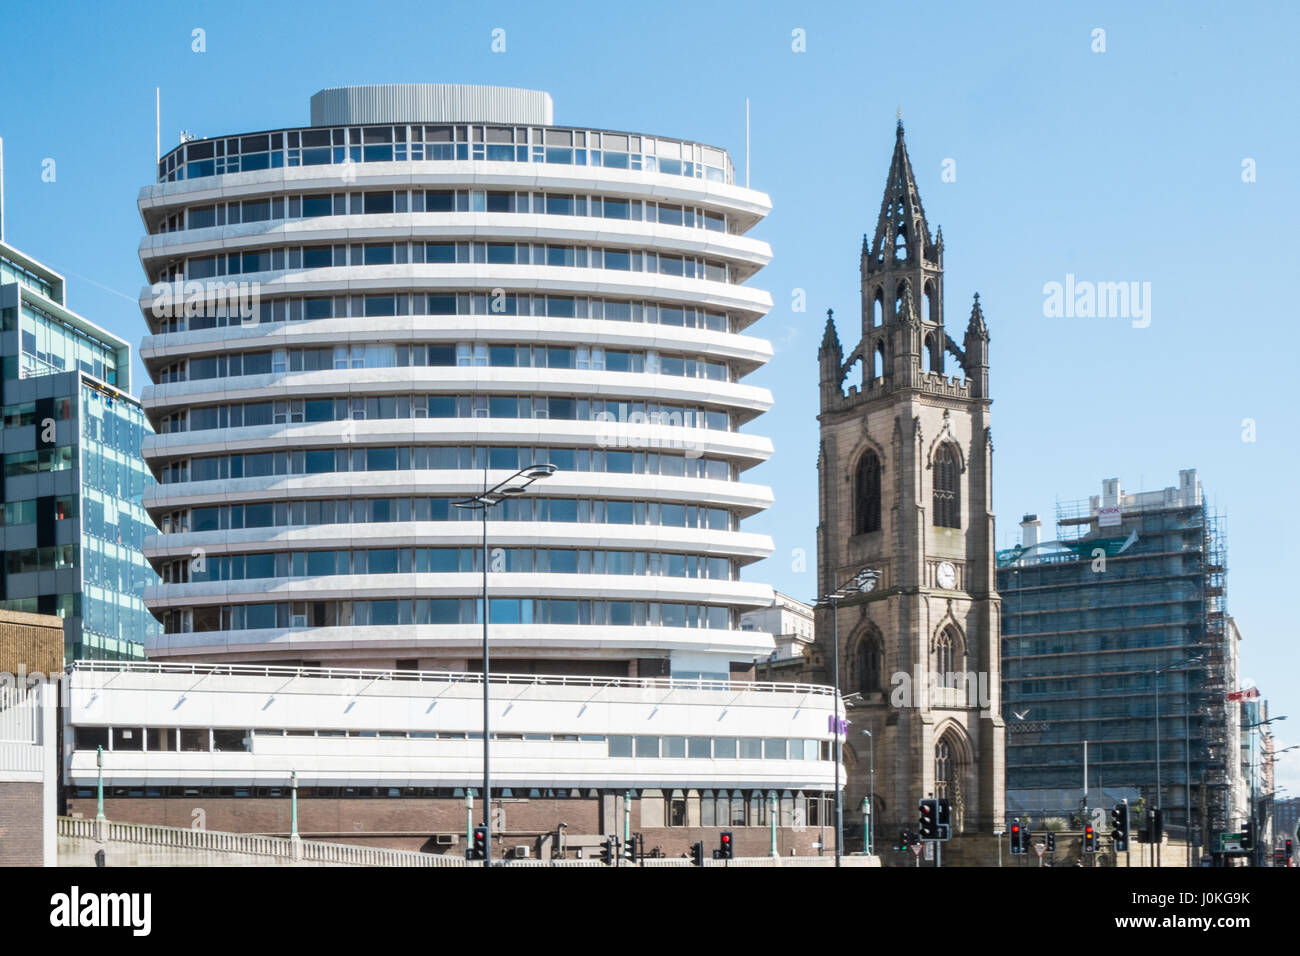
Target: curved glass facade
(351, 328)
(442, 143)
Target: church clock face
(947, 576)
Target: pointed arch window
(947, 488)
(934, 351)
(868, 666)
(867, 494)
(943, 658)
(949, 657)
(942, 769)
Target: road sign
(1229, 842)
(929, 849)
(1039, 848)
(916, 849)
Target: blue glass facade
(73, 522)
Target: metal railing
(250, 844)
(445, 677)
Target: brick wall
(21, 839)
(30, 642)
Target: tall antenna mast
(746, 142)
(157, 124)
(2, 189)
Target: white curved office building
(357, 323)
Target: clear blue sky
(1117, 166)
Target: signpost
(1230, 843)
(916, 853)
(1039, 848)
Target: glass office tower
(73, 522)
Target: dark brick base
(415, 823)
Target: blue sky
(1123, 165)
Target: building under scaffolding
(1124, 613)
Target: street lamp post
(863, 581)
(1254, 853)
(516, 484)
(1158, 671)
(101, 828)
(871, 800)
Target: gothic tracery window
(949, 657)
(947, 489)
(942, 769)
(943, 658)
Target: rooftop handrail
(559, 680)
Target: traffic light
(697, 853)
(609, 852)
(1157, 825)
(1017, 839)
(1248, 835)
(629, 849)
(1119, 826)
(929, 824)
(945, 820)
(726, 848)
(1089, 839)
(478, 848)
(1289, 849)
(1051, 842)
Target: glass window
(647, 746)
(618, 746)
(674, 747)
(231, 741)
(128, 738)
(699, 747)
(751, 748)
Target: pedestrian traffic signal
(945, 820)
(1248, 835)
(1119, 826)
(1051, 842)
(697, 853)
(1289, 849)
(929, 822)
(726, 847)
(1157, 825)
(609, 852)
(1089, 840)
(1017, 839)
(478, 844)
(629, 849)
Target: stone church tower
(905, 490)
